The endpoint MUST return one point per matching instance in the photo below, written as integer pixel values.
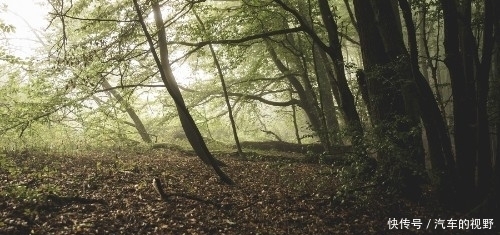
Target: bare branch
(129, 86)
(240, 40)
(91, 19)
(269, 102)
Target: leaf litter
(112, 193)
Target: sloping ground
(112, 194)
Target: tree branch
(91, 19)
(265, 101)
(239, 40)
(303, 25)
(129, 86)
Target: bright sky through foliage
(29, 20)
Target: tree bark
(392, 79)
(294, 120)
(192, 133)
(334, 50)
(351, 15)
(309, 106)
(139, 126)
(484, 154)
(496, 79)
(469, 76)
(326, 99)
(422, 16)
(436, 130)
(224, 89)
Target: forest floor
(112, 193)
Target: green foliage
(356, 175)
(7, 28)
(11, 165)
(399, 175)
(399, 172)
(61, 104)
(7, 165)
(25, 193)
(388, 167)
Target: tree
(190, 128)
(390, 85)
(224, 89)
(346, 99)
(469, 78)
(436, 130)
(141, 129)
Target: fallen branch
(158, 186)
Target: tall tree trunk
(439, 142)
(224, 89)
(307, 101)
(326, 99)
(496, 79)
(334, 50)
(468, 78)
(228, 103)
(484, 154)
(190, 128)
(391, 81)
(462, 107)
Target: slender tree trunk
(351, 15)
(294, 120)
(326, 99)
(363, 87)
(228, 103)
(484, 161)
(346, 101)
(331, 77)
(436, 130)
(139, 126)
(464, 103)
(190, 128)
(224, 89)
(307, 103)
(422, 16)
(432, 64)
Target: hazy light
(29, 19)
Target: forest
(249, 117)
